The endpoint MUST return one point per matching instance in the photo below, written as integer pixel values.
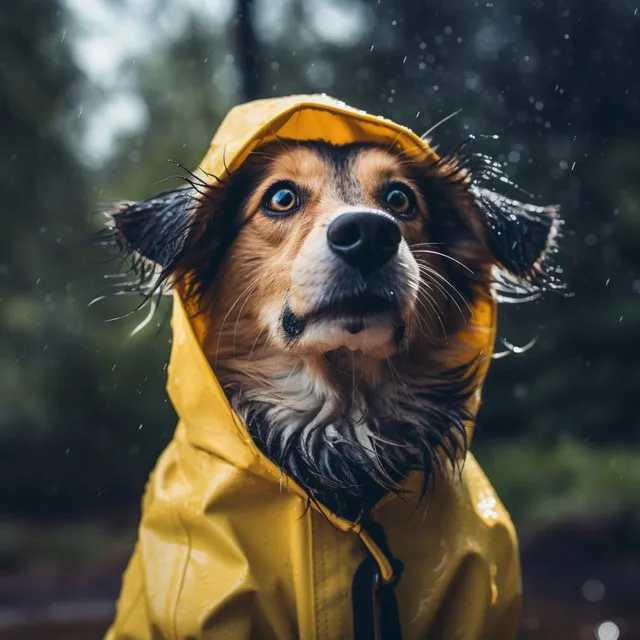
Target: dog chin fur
(350, 423)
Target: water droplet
(607, 630)
(593, 590)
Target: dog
(334, 285)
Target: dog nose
(365, 240)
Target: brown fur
(272, 258)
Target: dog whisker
(239, 314)
(431, 129)
(195, 177)
(428, 279)
(247, 290)
(429, 271)
(277, 138)
(273, 158)
(255, 342)
(417, 245)
(447, 257)
(433, 305)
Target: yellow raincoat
(227, 548)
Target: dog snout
(365, 240)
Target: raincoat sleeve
(203, 567)
(157, 598)
(461, 576)
(483, 600)
(131, 620)
(157, 581)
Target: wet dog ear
(155, 229)
(479, 228)
(522, 238)
(152, 236)
(178, 232)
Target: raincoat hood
(228, 547)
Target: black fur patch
(180, 232)
(522, 238)
(348, 477)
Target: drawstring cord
(367, 581)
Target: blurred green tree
(83, 412)
(68, 438)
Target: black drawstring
(362, 598)
(368, 580)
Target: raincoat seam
(323, 561)
(309, 557)
(314, 581)
(345, 594)
(131, 609)
(174, 621)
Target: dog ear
(479, 227)
(178, 232)
(522, 238)
(152, 236)
(155, 229)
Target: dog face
(335, 283)
(326, 237)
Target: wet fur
(347, 424)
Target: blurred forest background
(96, 95)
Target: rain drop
(593, 590)
(608, 631)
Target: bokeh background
(96, 95)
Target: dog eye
(399, 199)
(281, 199)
